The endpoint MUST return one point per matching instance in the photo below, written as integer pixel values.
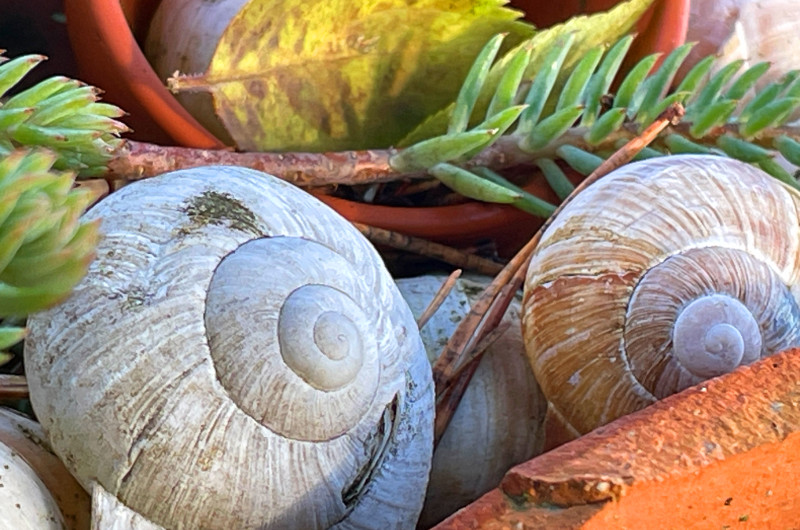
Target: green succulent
(59, 113)
(583, 123)
(45, 248)
(49, 133)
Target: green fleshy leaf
(11, 117)
(527, 202)
(12, 72)
(696, 76)
(32, 96)
(550, 128)
(498, 125)
(507, 89)
(473, 84)
(779, 172)
(601, 81)
(678, 144)
(543, 83)
(574, 88)
(66, 103)
(591, 31)
(555, 177)
(789, 148)
(747, 80)
(659, 83)
(629, 86)
(714, 115)
(765, 96)
(44, 247)
(742, 150)
(440, 149)
(610, 121)
(712, 91)
(770, 115)
(578, 159)
(9, 336)
(470, 185)
(648, 152)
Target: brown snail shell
(661, 275)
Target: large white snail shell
(499, 421)
(662, 274)
(236, 357)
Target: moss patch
(213, 207)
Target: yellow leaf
(320, 75)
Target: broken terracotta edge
(682, 433)
(747, 416)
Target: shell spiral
(237, 357)
(661, 275)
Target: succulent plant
(49, 133)
(59, 113)
(583, 123)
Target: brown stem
(139, 160)
(438, 298)
(13, 387)
(430, 249)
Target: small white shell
(631, 254)
(182, 38)
(36, 490)
(163, 378)
(499, 422)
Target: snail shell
(498, 422)
(750, 30)
(661, 275)
(38, 493)
(236, 357)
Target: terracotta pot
(721, 454)
(105, 36)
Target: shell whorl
(311, 314)
(183, 372)
(714, 334)
(659, 276)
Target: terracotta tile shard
(703, 458)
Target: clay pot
(105, 35)
(721, 454)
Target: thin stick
(484, 314)
(450, 255)
(480, 348)
(463, 336)
(13, 387)
(139, 160)
(438, 298)
(450, 397)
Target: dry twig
(139, 160)
(423, 247)
(13, 387)
(438, 298)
